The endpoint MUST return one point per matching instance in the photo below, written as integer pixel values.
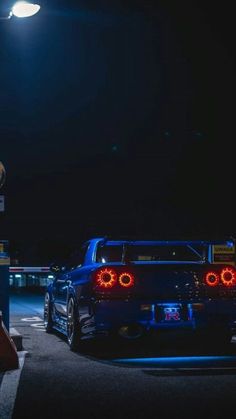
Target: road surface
(137, 382)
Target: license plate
(171, 314)
(168, 313)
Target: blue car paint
(102, 313)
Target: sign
(2, 174)
(4, 261)
(2, 203)
(25, 269)
(224, 254)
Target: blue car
(131, 288)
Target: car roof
(119, 242)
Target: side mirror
(55, 268)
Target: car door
(77, 286)
(59, 292)
(66, 279)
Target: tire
(73, 328)
(48, 323)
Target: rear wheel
(73, 329)
(48, 323)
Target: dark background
(116, 118)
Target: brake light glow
(212, 279)
(228, 276)
(225, 276)
(126, 280)
(106, 278)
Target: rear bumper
(141, 317)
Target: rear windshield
(108, 253)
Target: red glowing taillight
(212, 279)
(226, 276)
(126, 280)
(107, 278)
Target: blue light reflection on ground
(181, 362)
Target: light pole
(22, 9)
(4, 262)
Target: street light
(22, 9)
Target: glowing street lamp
(22, 9)
(25, 9)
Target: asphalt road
(135, 382)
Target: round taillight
(126, 280)
(212, 279)
(228, 276)
(106, 278)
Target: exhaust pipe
(131, 331)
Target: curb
(17, 338)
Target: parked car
(129, 288)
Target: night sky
(116, 118)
